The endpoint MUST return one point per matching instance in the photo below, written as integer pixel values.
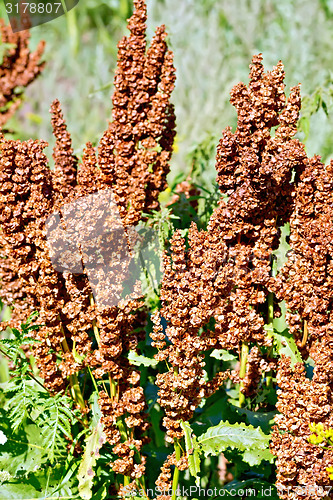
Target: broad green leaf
(91, 453)
(137, 360)
(221, 409)
(193, 455)
(22, 452)
(223, 354)
(255, 488)
(264, 420)
(235, 436)
(43, 484)
(286, 345)
(255, 456)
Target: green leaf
(4, 49)
(101, 494)
(193, 454)
(255, 488)
(22, 453)
(285, 343)
(264, 420)
(56, 425)
(211, 415)
(255, 456)
(240, 436)
(91, 453)
(43, 484)
(223, 354)
(137, 360)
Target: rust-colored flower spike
(190, 296)
(306, 285)
(134, 152)
(25, 202)
(12, 290)
(19, 68)
(65, 162)
(301, 465)
(120, 330)
(254, 170)
(306, 281)
(65, 300)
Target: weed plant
(219, 376)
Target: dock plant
(217, 374)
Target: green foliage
(285, 344)
(249, 442)
(321, 99)
(39, 428)
(138, 360)
(4, 48)
(86, 471)
(213, 42)
(192, 449)
(12, 346)
(255, 488)
(245, 438)
(47, 483)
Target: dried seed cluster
(254, 170)
(189, 299)
(134, 152)
(301, 401)
(132, 161)
(305, 283)
(19, 68)
(225, 275)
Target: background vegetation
(213, 42)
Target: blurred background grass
(213, 42)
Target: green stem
(74, 381)
(242, 371)
(76, 391)
(270, 308)
(270, 317)
(305, 333)
(178, 455)
(113, 383)
(176, 471)
(94, 325)
(127, 480)
(123, 433)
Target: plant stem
(178, 455)
(127, 481)
(123, 433)
(305, 333)
(270, 317)
(176, 471)
(113, 383)
(94, 325)
(242, 371)
(74, 381)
